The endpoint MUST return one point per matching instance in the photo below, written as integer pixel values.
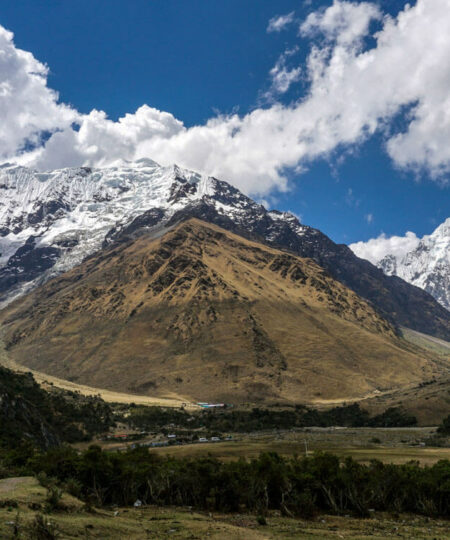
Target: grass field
(180, 523)
(247, 449)
(390, 445)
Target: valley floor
(390, 445)
(181, 523)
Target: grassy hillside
(205, 315)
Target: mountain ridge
(61, 217)
(210, 315)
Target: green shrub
(444, 428)
(42, 528)
(295, 486)
(73, 487)
(53, 499)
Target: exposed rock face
(427, 266)
(70, 214)
(28, 263)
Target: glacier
(427, 266)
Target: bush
(31, 415)
(444, 428)
(53, 499)
(73, 487)
(44, 480)
(219, 421)
(42, 529)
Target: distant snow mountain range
(51, 221)
(427, 266)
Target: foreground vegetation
(30, 414)
(50, 489)
(300, 487)
(25, 521)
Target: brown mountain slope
(205, 314)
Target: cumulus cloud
(278, 23)
(100, 141)
(353, 90)
(344, 22)
(27, 106)
(376, 249)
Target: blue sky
(199, 58)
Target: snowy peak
(427, 266)
(49, 222)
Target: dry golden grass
(47, 381)
(204, 315)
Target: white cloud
(282, 76)
(344, 22)
(278, 23)
(27, 106)
(353, 92)
(101, 141)
(376, 248)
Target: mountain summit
(427, 266)
(50, 222)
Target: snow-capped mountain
(50, 222)
(427, 266)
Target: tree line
(294, 486)
(257, 419)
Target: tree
(444, 428)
